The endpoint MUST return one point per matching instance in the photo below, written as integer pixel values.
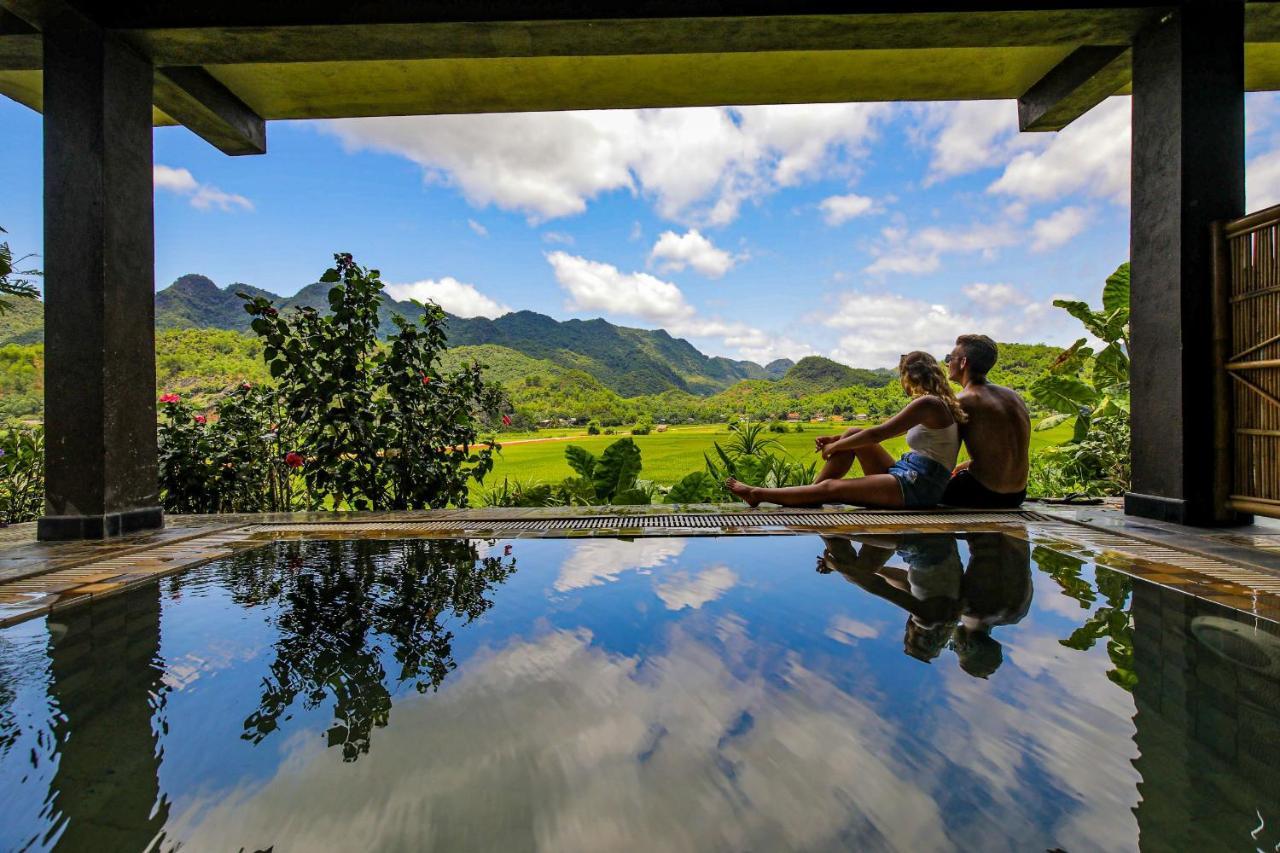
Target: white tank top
(940, 445)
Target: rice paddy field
(668, 456)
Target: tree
(15, 282)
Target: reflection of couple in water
(947, 602)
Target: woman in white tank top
(916, 481)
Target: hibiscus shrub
(374, 426)
(234, 461)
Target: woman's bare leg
(873, 458)
(880, 490)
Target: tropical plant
(1112, 621)
(1093, 388)
(21, 474)
(609, 478)
(644, 426)
(517, 493)
(377, 427)
(749, 438)
(15, 282)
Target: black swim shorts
(965, 490)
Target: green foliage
(1111, 621)
(1092, 388)
(378, 427)
(515, 493)
(343, 611)
(593, 427)
(777, 426)
(644, 426)
(233, 461)
(15, 282)
(610, 478)
(696, 487)
(21, 474)
(616, 470)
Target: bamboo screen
(1253, 361)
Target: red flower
(270, 312)
(426, 380)
(506, 420)
(170, 398)
(201, 419)
(293, 459)
(245, 386)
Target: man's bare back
(998, 436)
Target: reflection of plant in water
(340, 618)
(1112, 620)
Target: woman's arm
(912, 414)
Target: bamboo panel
(1253, 366)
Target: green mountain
(629, 361)
(815, 375)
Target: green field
(670, 455)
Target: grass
(670, 455)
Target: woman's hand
(830, 448)
(822, 441)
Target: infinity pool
(917, 692)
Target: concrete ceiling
(332, 60)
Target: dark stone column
(1188, 170)
(100, 410)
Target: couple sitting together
(992, 421)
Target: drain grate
(674, 521)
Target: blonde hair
(920, 374)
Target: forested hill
(628, 361)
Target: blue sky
(854, 231)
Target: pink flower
(169, 398)
(245, 386)
(506, 420)
(293, 459)
(201, 419)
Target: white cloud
(1058, 228)
(1090, 156)
(456, 297)
(698, 165)
(557, 237)
(845, 630)
(680, 590)
(972, 135)
(202, 196)
(674, 252)
(878, 327)
(1262, 181)
(600, 561)
(478, 228)
(596, 286)
(986, 294)
(902, 251)
(173, 180)
(838, 209)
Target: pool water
(913, 692)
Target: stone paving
(1238, 568)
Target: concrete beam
(1188, 171)
(1076, 85)
(20, 48)
(192, 97)
(100, 402)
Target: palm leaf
(1063, 394)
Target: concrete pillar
(1188, 170)
(100, 410)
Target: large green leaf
(1052, 421)
(697, 487)
(1115, 293)
(1083, 421)
(1063, 394)
(1071, 359)
(576, 491)
(616, 469)
(631, 497)
(1107, 325)
(582, 461)
(1110, 366)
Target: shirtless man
(997, 435)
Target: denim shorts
(923, 480)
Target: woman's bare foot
(742, 490)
